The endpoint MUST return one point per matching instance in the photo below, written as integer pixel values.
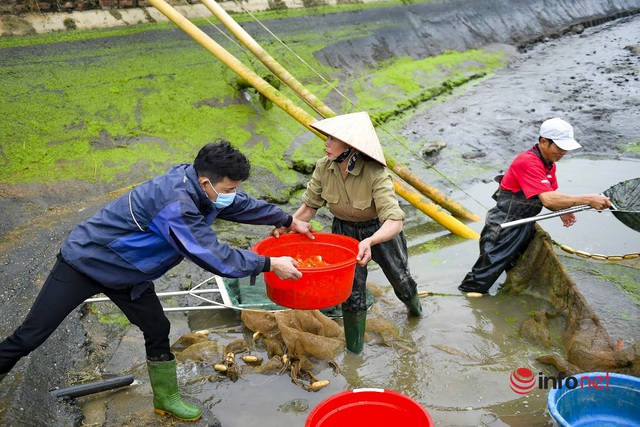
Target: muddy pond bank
(594, 87)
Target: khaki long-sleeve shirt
(366, 192)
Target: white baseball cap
(560, 132)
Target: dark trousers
(500, 248)
(63, 291)
(392, 257)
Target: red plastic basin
(369, 407)
(319, 287)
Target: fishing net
(587, 344)
(311, 333)
(625, 196)
(283, 340)
(303, 332)
(245, 294)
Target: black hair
(548, 139)
(219, 159)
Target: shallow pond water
(466, 348)
(595, 232)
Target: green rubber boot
(166, 397)
(354, 326)
(414, 306)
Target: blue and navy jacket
(143, 234)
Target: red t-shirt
(529, 174)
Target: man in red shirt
(528, 185)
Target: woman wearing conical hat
(352, 180)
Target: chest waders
(500, 248)
(392, 257)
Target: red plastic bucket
(369, 407)
(319, 287)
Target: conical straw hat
(354, 129)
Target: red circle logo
(522, 381)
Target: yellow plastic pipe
(447, 221)
(434, 194)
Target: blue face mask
(222, 200)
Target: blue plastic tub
(596, 399)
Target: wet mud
(562, 64)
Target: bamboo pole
(234, 64)
(434, 194)
(434, 211)
(447, 221)
(272, 64)
(267, 59)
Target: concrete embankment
(431, 28)
(424, 28)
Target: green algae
(632, 148)
(95, 123)
(430, 246)
(95, 114)
(317, 226)
(113, 318)
(78, 35)
(406, 82)
(627, 280)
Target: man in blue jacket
(137, 239)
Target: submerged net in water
(625, 196)
(587, 344)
